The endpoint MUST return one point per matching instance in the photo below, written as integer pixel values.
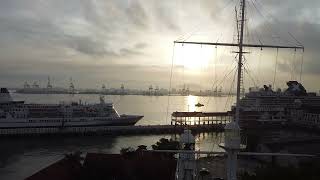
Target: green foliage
(166, 144)
(127, 151)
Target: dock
(197, 122)
(189, 118)
(113, 130)
(162, 129)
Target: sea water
(23, 156)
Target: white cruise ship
(262, 106)
(17, 117)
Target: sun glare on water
(193, 57)
(191, 101)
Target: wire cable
(170, 83)
(187, 36)
(275, 69)
(230, 91)
(275, 19)
(223, 79)
(302, 59)
(246, 69)
(293, 65)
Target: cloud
(115, 74)
(305, 32)
(131, 40)
(141, 45)
(137, 14)
(126, 52)
(165, 14)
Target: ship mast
(240, 59)
(232, 143)
(241, 45)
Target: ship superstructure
(266, 106)
(17, 116)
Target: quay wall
(112, 130)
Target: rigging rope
(302, 59)
(197, 27)
(255, 34)
(276, 20)
(172, 60)
(183, 65)
(215, 65)
(223, 79)
(214, 77)
(259, 65)
(275, 69)
(215, 91)
(293, 65)
(267, 26)
(202, 68)
(246, 69)
(229, 93)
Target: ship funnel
(5, 95)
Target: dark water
(21, 157)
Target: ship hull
(22, 129)
(18, 118)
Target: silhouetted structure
(135, 165)
(69, 168)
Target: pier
(197, 122)
(113, 130)
(193, 118)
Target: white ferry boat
(17, 117)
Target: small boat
(199, 105)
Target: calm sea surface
(21, 157)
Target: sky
(130, 42)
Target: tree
(165, 144)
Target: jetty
(113, 130)
(188, 118)
(197, 122)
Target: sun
(193, 57)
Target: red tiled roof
(138, 165)
(142, 165)
(64, 169)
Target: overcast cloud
(130, 41)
